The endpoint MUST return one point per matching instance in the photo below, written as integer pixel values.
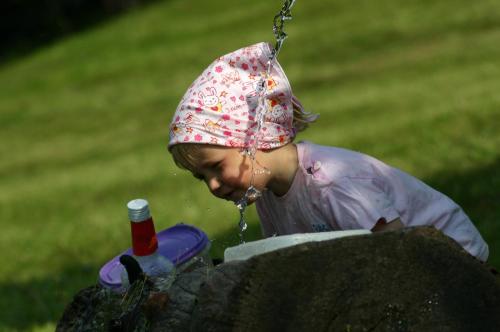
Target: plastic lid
(178, 243)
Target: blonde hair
(301, 118)
(185, 155)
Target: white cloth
(338, 189)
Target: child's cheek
(235, 178)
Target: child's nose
(213, 184)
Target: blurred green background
(84, 123)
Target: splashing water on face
(252, 192)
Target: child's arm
(383, 225)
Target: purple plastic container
(180, 244)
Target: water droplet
(242, 204)
(243, 225)
(261, 171)
(252, 193)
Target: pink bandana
(220, 106)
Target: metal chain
(285, 14)
(253, 193)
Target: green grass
(84, 124)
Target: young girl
(305, 187)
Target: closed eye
(214, 165)
(211, 167)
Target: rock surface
(408, 280)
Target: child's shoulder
(326, 163)
(310, 152)
(329, 163)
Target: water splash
(242, 224)
(252, 192)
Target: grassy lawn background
(84, 124)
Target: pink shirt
(338, 189)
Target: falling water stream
(252, 192)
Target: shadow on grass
(37, 302)
(478, 193)
(34, 24)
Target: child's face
(226, 171)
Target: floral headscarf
(220, 106)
